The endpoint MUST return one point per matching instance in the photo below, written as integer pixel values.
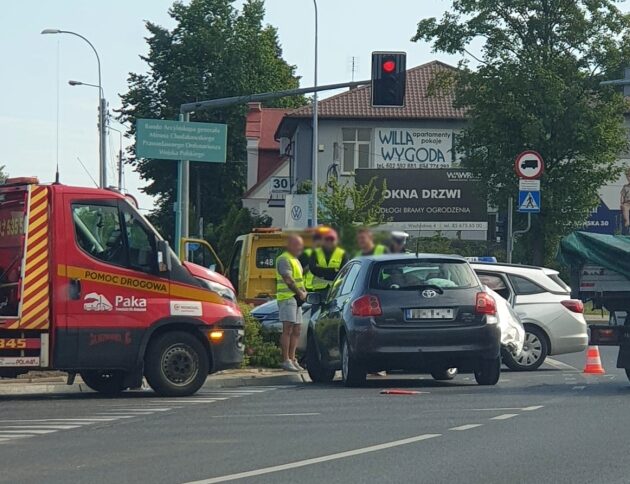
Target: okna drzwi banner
(433, 199)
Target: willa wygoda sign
(413, 148)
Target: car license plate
(429, 313)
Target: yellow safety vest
(334, 263)
(283, 292)
(379, 249)
(308, 277)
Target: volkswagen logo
(296, 212)
(428, 293)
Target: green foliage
(346, 207)
(537, 87)
(213, 51)
(3, 174)
(260, 350)
(238, 221)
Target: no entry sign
(529, 165)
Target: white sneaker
(288, 366)
(297, 365)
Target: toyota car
(422, 313)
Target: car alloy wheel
(532, 351)
(179, 364)
(345, 360)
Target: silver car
(554, 323)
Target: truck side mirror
(163, 257)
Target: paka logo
(99, 303)
(96, 302)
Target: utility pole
(510, 236)
(315, 128)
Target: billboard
(413, 148)
(439, 199)
(174, 140)
(613, 214)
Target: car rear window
(416, 274)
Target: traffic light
(389, 79)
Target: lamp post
(315, 125)
(120, 157)
(102, 107)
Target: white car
(554, 323)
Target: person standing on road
(398, 242)
(365, 241)
(291, 294)
(327, 260)
(306, 256)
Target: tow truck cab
(88, 286)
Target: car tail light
(485, 304)
(573, 305)
(367, 306)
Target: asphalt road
(555, 425)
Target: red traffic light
(389, 66)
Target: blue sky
(32, 75)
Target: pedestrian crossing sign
(529, 201)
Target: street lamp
(315, 126)
(102, 152)
(120, 157)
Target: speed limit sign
(280, 184)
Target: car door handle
(75, 289)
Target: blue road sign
(528, 201)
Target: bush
(260, 350)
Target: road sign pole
(185, 189)
(509, 230)
(178, 208)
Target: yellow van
(252, 264)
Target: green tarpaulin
(609, 251)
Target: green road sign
(175, 140)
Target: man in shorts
(291, 294)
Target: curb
(33, 389)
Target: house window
(356, 148)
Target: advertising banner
(430, 199)
(613, 214)
(298, 211)
(413, 148)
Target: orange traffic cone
(593, 362)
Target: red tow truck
(89, 287)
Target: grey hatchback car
(422, 313)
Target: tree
(537, 87)
(346, 206)
(3, 174)
(213, 51)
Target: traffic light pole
(183, 166)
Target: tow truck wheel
(176, 364)
(107, 382)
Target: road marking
(505, 416)
(316, 460)
(559, 365)
(529, 409)
(579, 387)
(45, 427)
(29, 431)
(466, 427)
(309, 414)
(61, 420)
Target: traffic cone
(593, 361)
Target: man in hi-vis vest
(291, 294)
(365, 241)
(326, 261)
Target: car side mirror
(164, 257)
(314, 298)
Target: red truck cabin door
(114, 291)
